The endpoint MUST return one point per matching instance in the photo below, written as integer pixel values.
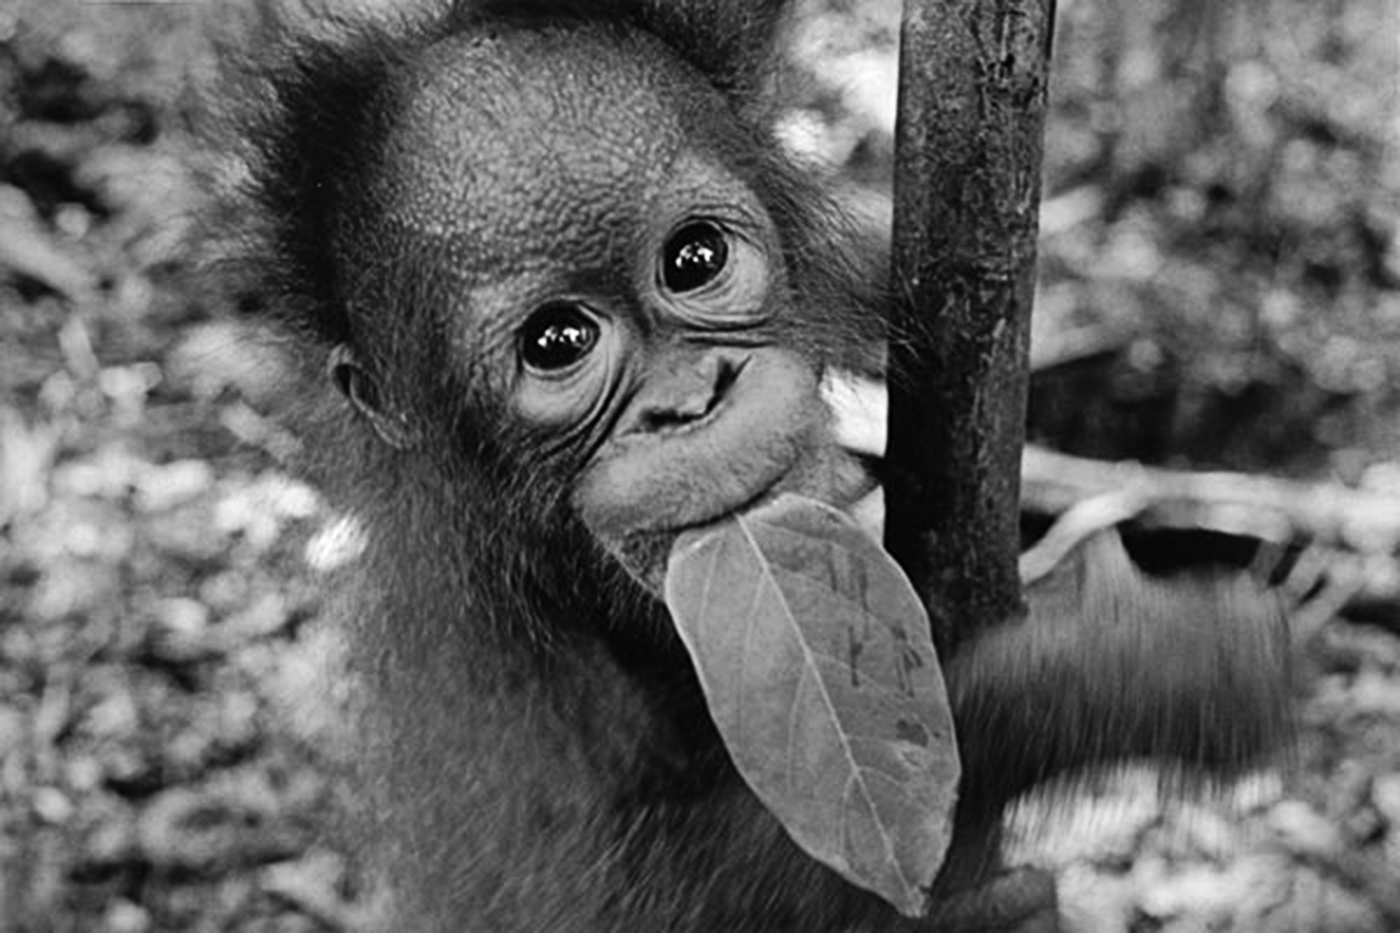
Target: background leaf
(820, 673)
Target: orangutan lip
(766, 494)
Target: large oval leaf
(817, 664)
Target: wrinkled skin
(690, 404)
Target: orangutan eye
(694, 256)
(557, 336)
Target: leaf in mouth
(819, 670)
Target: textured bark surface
(972, 90)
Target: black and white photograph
(699, 466)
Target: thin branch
(967, 191)
(1260, 507)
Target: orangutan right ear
(362, 390)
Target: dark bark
(972, 90)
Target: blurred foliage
(1238, 165)
(1220, 269)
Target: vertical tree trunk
(972, 90)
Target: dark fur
(534, 749)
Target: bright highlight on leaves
(816, 660)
